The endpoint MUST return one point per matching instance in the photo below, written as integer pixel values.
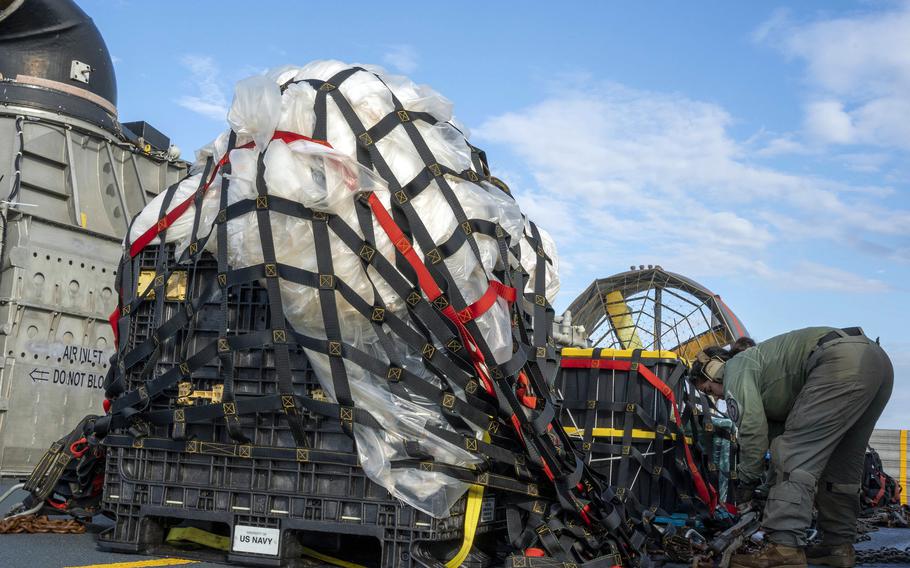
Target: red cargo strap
(431, 289)
(706, 492)
(113, 321)
(175, 213)
(881, 490)
(522, 392)
(78, 449)
(480, 307)
(59, 505)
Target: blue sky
(760, 148)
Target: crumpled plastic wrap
(329, 179)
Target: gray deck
(78, 551)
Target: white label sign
(258, 540)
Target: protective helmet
(710, 367)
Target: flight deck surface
(79, 550)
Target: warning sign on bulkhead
(70, 366)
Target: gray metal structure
(892, 447)
(653, 309)
(69, 186)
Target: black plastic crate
(204, 477)
(654, 477)
(254, 373)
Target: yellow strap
(616, 433)
(471, 518)
(903, 467)
(330, 559)
(158, 562)
(198, 536)
(618, 353)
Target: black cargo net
(169, 353)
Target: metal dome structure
(652, 309)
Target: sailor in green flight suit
(813, 397)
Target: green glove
(744, 494)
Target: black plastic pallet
(335, 510)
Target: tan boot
(840, 555)
(771, 556)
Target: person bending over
(813, 397)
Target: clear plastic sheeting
(329, 178)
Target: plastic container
(632, 443)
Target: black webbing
(226, 358)
(278, 325)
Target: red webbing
(485, 302)
(881, 490)
(400, 241)
(431, 289)
(706, 492)
(112, 319)
(74, 448)
(175, 213)
(522, 392)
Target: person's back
(779, 368)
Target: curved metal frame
(604, 302)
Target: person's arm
(744, 405)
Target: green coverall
(827, 398)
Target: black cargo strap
(839, 333)
(226, 358)
(254, 405)
(280, 348)
(250, 451)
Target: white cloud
(210, 100)
(654, 178)
(865, 162)
(401, 58)
(827, 122)
(808, 275)
(782, 145)
(859, 69)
